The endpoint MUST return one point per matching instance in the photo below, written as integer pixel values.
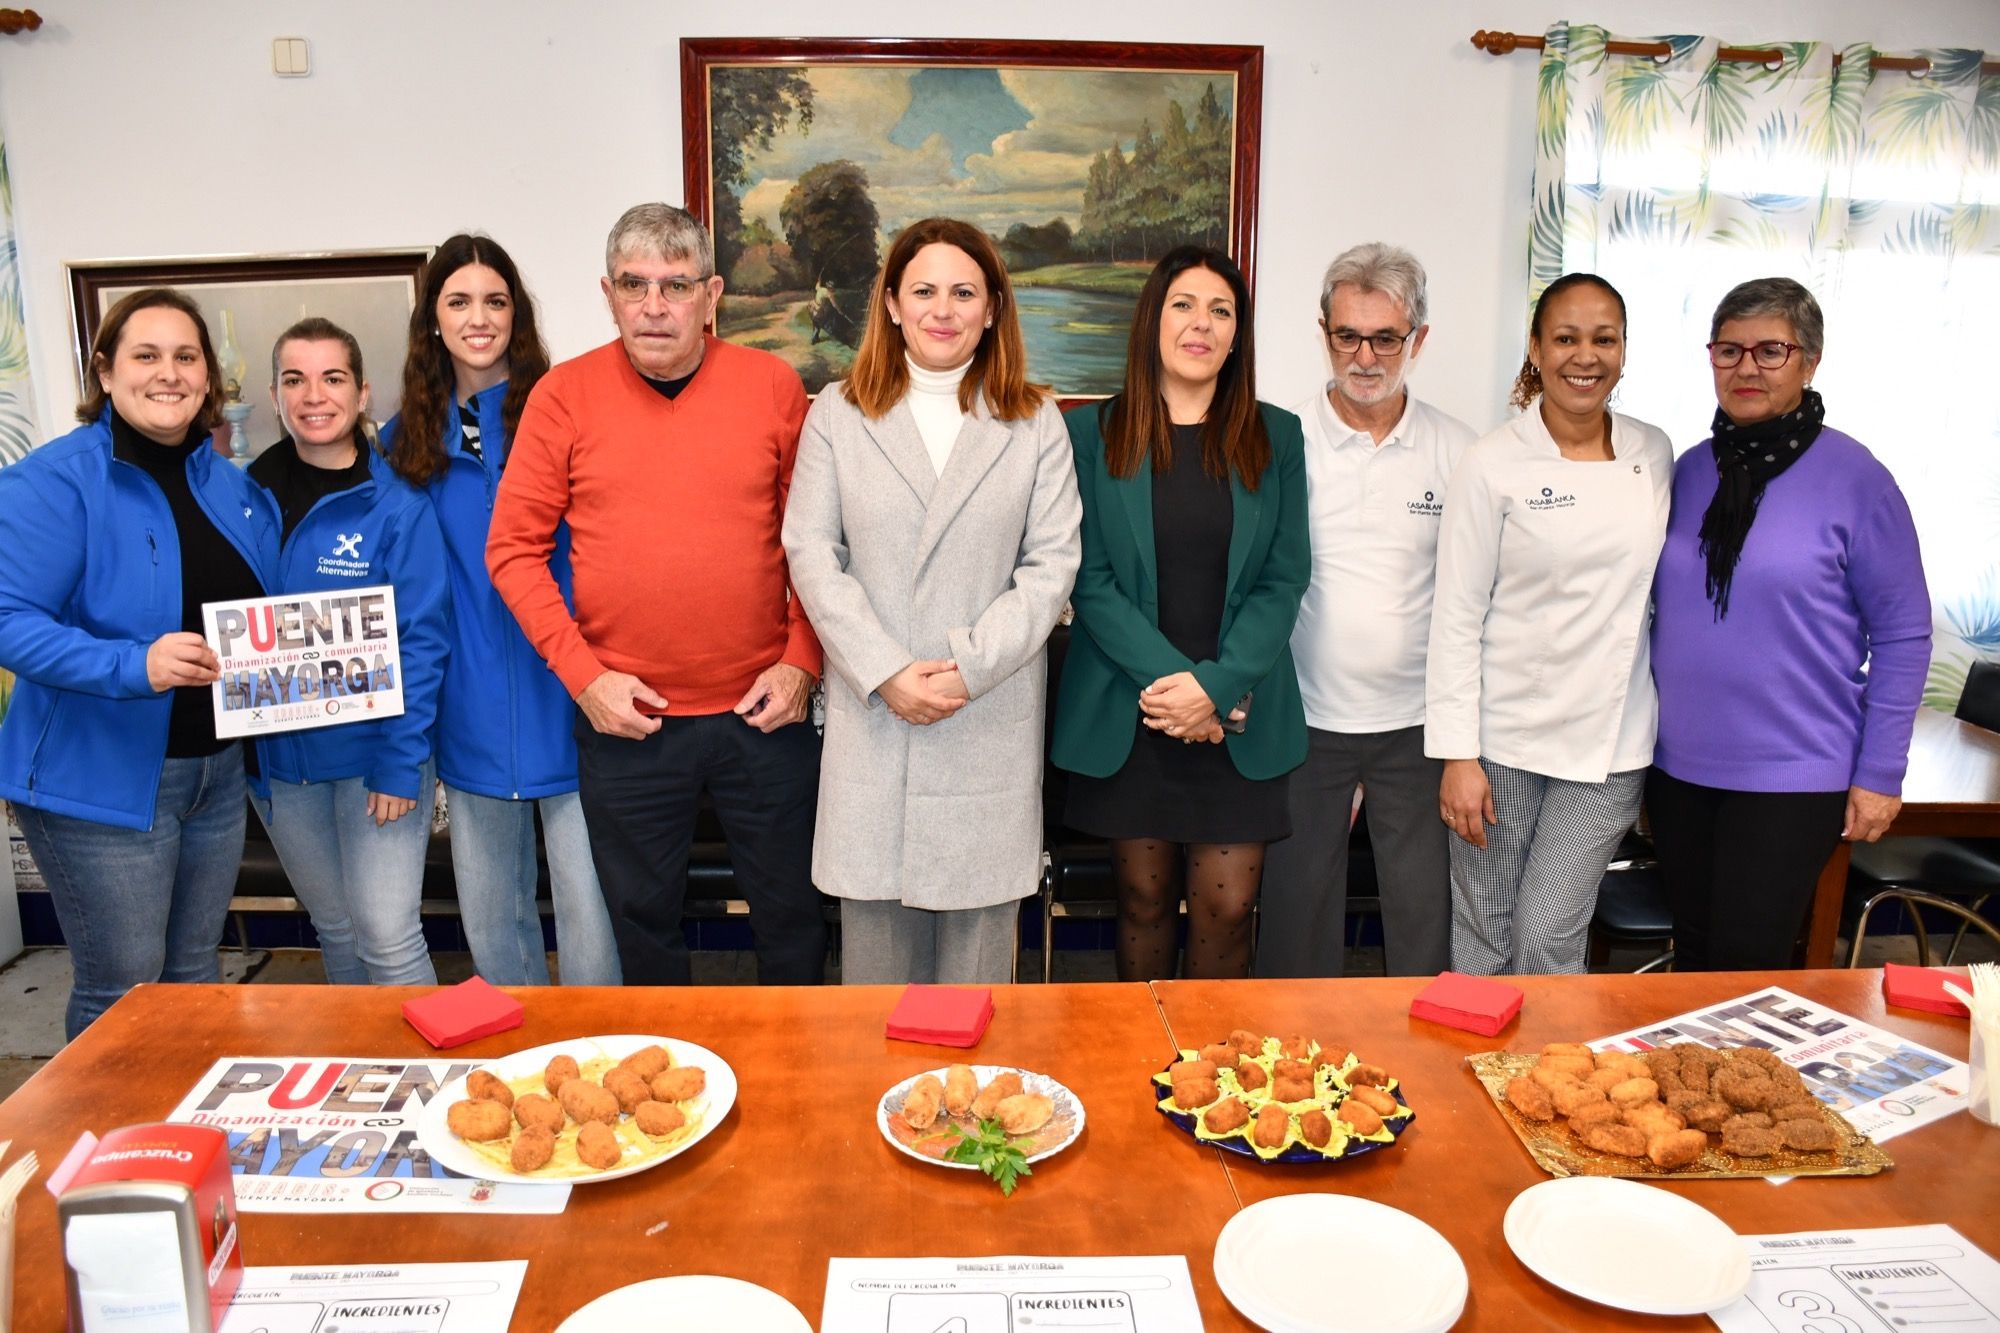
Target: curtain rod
(17, 20)
(1506, 43)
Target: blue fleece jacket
(90, 576)
(382, 531)
(504, 721)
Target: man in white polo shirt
(1377, 461)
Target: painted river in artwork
(1076, 340)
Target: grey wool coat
(897, 564)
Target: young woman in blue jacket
(350, 804)
(111, 538)
(504, 727)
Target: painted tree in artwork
(831, 225)
(1171, 189)
(746, 106)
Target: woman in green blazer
(1179, 710)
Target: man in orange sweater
(667, 456)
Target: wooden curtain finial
(1495, 43)
(17, 20)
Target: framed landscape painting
(1085, 162)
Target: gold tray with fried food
(1687, 1111)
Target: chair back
(1980, 704)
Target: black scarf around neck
(1746, 458)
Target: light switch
(289, 59)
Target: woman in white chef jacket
(1539, 683)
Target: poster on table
(1884, 1084)
(306, 659)
(319, 1134)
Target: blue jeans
(362, 883)
(493, 860)
(145, 906)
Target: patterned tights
(1220, 882)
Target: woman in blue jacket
(504, 742)
(350, 803)
(111, 538)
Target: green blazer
(1116, 648)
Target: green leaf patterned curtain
(1677, 178)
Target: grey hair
(1782, 297)
(659, 231)
(1378, 267)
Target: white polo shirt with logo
(1540, 658)
(1364, 625)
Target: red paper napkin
(458, 1014)
(1923, 988)
(941, 1015)
(1476, 1004)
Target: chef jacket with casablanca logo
(1539, 650)
(1364, 626)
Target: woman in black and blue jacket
(349, 806)
(504, 740)
(111, 538)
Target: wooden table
(1459, 1165)
(798, 1174)
(1951, 791)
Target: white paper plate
(713, 1104)
(1582, 1234)
(1064, 1125)
(1332, 1263)
(692, 1300)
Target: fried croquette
(1635, 1092)
(627, 1087)
(1291, 1090)
(1612, 1061)
(1182, 1070)
(1297, 1048)
(1750, 1140)
(1757, 1056)
(1552, 1079)
(1569, 1048)
(1530, 1098)
(583, 1100)
(961, 1085)
(1250, 1076)
(1335, 1055)
(532, 1150)
(1578, 1067)
(1573, 1097)
(1680, 1099)
(1363, 1118)
(1273, 1123)
(1219, 1051)
(1315, 1128)
(679, 1084)
(1809, 1135)
(1007, 1084)
(647, 1062)
(1376, 1100)
(479, 1120)
(1226, 1116)
(1651, 1118)
(1677, 1148)
(1597, 1113)
(1623, 1140)
(1747, 1120)
(1708, 1116)
(558, 1072)
(656, 1120)
(1743, 1087)
(1024, 1112)
(1188, 1095)
(537, 1110)
(1373, 1075)
(1660, 1059)
(1604, 1080)
(483, 1086)
(921, 1104)
(1795, 1110)
(1287, 1067)
(1246, 1042)
(597, 1146)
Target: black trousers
(640, 798)
(1739, 868)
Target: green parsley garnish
(989, 1150)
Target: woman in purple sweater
(1789, 645)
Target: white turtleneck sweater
(934, 403)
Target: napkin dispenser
(149, 1232)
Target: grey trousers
(1303, 916)
(1523, 905)
(882, 942)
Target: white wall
(148, 129)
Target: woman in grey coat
(932, 536)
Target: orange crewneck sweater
(674, 511)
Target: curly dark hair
(1528, 384)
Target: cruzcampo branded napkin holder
(148, 1227)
